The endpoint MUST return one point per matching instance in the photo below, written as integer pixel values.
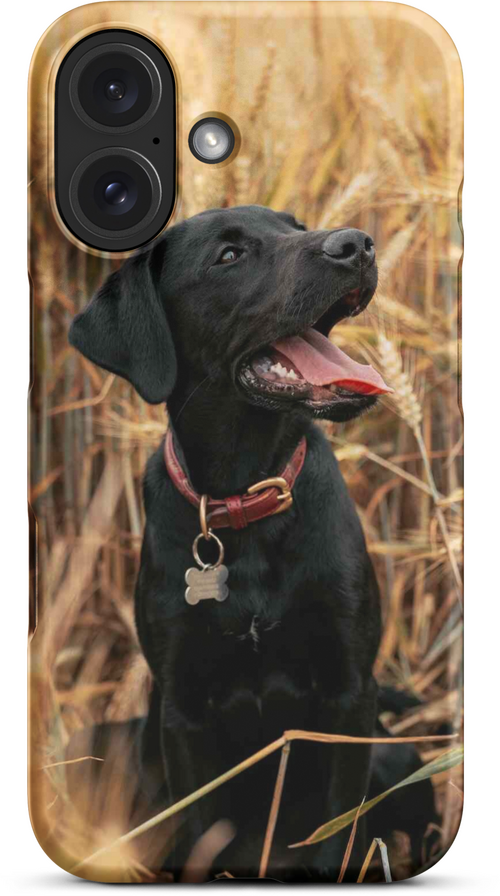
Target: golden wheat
(404, 396)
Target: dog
(226, 319)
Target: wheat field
(349, 114)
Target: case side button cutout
(30, 615)
(30, 536)
(30, 523)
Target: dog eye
(230, 255)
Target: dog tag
(206, 584)
(209, 581)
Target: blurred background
(350, 114)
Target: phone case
(257, 711)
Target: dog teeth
(275, 372)
(283, 372)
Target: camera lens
(115, 90)
(112, 192)
(211, 140)
(115, 192)
(115, 87)
(109, 190)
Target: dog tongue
(321, 363)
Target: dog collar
(266, 498)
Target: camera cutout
(211, 140)
(115, 100)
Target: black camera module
(115, 140)
(115, 87)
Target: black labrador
(225, 319)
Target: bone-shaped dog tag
(209, 581)
(206, 584)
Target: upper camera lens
(115, 87)
(115, 90)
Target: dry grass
(336, 138)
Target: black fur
(294, 644)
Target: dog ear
(125, 330)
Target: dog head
(245, 297)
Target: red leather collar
(263, 499)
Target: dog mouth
(308, 367)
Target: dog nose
(350, 248)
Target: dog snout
(350, 248)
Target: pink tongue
(321, 363)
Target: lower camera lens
(115, 192)
(211, 140)
(115, 86)
(113, 196)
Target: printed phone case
(251, 665)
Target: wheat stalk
(404, 396)
(410, 410)
(242, 180)
(264, 85)
(397, 246)
(401, 136)
(405, 315)
(346, 204)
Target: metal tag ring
(203, 517)
(197, 557)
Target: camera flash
(211, 140)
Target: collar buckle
(285, 498)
